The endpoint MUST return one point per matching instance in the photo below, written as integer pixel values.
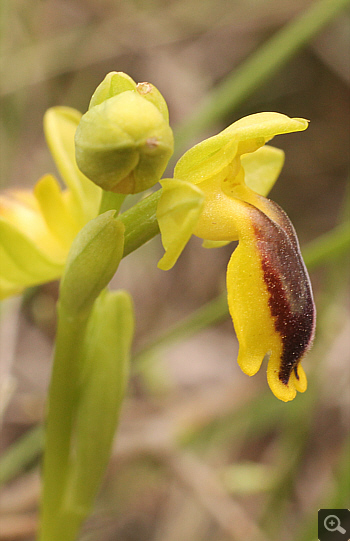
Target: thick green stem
(61, 411)
(140, 222)
(111, 201)
(92, 261)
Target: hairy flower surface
(217, 194)
(37, 228)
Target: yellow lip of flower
(37, 228)
(222, 182)
(270, 298)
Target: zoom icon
(334, 525)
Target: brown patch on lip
(288, 284)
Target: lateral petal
(262, 167)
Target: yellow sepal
(55, 209)
(60, 125)
(246, 135)
(179, 208)
(22, 261)
(7, 288)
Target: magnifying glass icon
(332, 524)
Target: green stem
(111, 201)
(21, 453)
(140, 222)
(61, 411)
(244, 80)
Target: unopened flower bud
(113, 84)
(124, 142)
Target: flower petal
(215, 243)
(178, 211)
(217, 221)
(22, 262)
(113, 84)
(270, 298)
(255, 130)
(8, 289)
(262, 167)
(246, 135)
(206, 159)
(60, 124)
(21, 209)
(55, 210)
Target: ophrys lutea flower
(37, 228)
(217, 194)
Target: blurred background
(203, 453)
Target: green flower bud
(92, 261)
(113, 84)
(152, 94)
(124, 142)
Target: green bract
(92, 261)
(105, 367)
(88, 382)
(124, 142)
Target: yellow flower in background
(122, 144)
(217, 194)
(37, 228)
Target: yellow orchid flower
(37, 228)
(217, 194)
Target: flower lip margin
(290, 295)
(270, 298)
